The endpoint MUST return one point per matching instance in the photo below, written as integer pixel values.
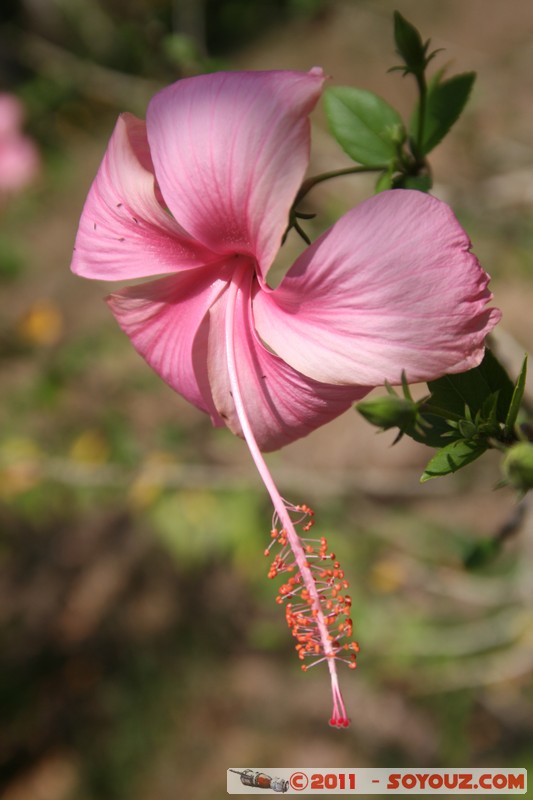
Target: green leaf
(445, 102)
(366, 126)
(483, 393)
(451, 458)
(470, 389)
(516, 401)
(435, 79)
(409, 44)
(435, 431)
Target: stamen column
(339, 717)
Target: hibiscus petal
(124, 230)
(281, 404)
(230, 151)
(168, 324)
(391, 286)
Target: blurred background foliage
(141, 650)
(62, 53)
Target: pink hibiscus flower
(19, 158)
(201, 194)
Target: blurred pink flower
(19, 157)
(201, 194)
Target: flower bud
(517, 466)
(390, 411)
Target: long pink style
(339, 716)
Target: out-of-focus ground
(141, 650)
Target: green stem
(423, 92)
(310, 183)
(298, 228)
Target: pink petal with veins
(124, 231)
(230, 151)
(391, 286)
(168, 324)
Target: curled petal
(230, 151)
(125, 232)
(281, 404)
(391, 287)
(167, 322)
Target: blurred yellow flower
(90, 447)
(42, 324)
(387, 575)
